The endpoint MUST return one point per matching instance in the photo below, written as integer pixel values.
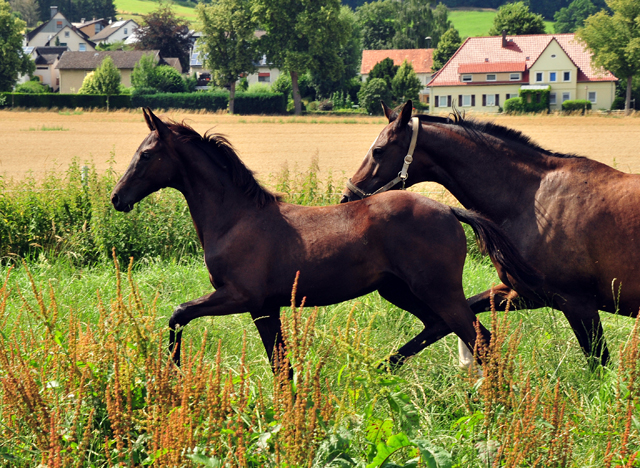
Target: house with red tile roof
(420, 59)
(485, 71)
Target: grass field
(471, 23)
(134, 9)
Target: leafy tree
(104, 80)
(301, 36)
(615, 40)
(167, 79)
(29, 10)
(377, 24)
(449, 43)
(33, 87)
(406, 84)
(163, 30)
(371, 93)
(570, 18)
(143, 72)
(13, 61)
(516, 18)
(385, 69)
(88, 85)
(351, 55)
(418, 26)
(229, 44)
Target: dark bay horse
(408, 247)
(574, 219)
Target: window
(63, 44)
(491, 77)
(553, 76)
(491, 100)
(66, 34)
(466, 78)
(566, 96)
(538, 76)
(125, 31)
(58, 24)
(592, 96)
(264, 79)
(82, 47)
(566, 76)
(514, 76)
(466, 100)
(443, 101)
(552, 98)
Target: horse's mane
(220, 150)
(477, 127)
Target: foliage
(406, 84)
(377, 24)
(385, 69)
(104, 80)
(618, 103)
(418, 25)
(516, 18)
(33, 87)
(13, 61)
(259, 88)
(570, 18)
(449, 43)
(613, 40)
(576, 105)
(301, 36)
(119, 45)
(29, 11)
(228, 44)
(371, 93)
(69, 101)
(211, 101)
(88, 84)
(75, 10)
(514, 106)
(282, 85)
(535, 100)
(143, 72)
(147, 74)
(165, 31)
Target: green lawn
(471, 23)
(134, 9)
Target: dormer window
(58, 24)
(514, 77)
(466, 78)
(491, 77)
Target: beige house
(74, 66)
(91, 27)
(118, 31)
(420, 59)
(59, 32)
(485, 71)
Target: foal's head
(384, 159)
(153, 166)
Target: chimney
(54, 11)
(504, 38)
(82, 20)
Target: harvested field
(35, 142)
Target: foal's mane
(477, 127)
(222, 153)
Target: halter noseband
(404, 172)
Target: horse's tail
(492, 240)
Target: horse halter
(404, 172)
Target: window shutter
(484, 100)
(497, 99)
(473, 100)
(459, 100)
(436, 101)
(449, 100)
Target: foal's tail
(492, 240)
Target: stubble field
(36, 142)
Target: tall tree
(163, 30)
(516, 18)
(384, 69)
(229, 43)
(377, 24)
(13, 61)
(418, 26)
(29, 10)
(301, 36)
(570, 18)
(615, 40)
(104, 80)
(449, 43)
(406, 84)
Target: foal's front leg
(224, 301)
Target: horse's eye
(377, 152)
(145, 155)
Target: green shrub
(576, 105)
(535, 100)
(371, 93)
(618, 103)
(513, 106)
(167, 79)
(33, 87)
(143, 91)
(258, 88)
(69, 101)
(213, 100)
(260, 103)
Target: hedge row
(245, 103)
(576, 105)
(70, 101)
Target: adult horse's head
(152, 167)
(385, 166)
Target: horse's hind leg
(585, 322)
(267, 322)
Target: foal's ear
(148, 119)
(158, 125)
(388, 112)
(405, 114)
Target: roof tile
(123, 59)
(421, 59)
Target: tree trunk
(627, 103)
(232, 96)
(297, 100)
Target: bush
(371, 93)
(535, 100)
(618, 103)
(212, 101)
(167, 79)
(326, 105)
(513, 106)
(33, 87)
(260, 103)
(282, 85)
(69, 101)
(576, 105)
(143, 91)
(258, 88)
